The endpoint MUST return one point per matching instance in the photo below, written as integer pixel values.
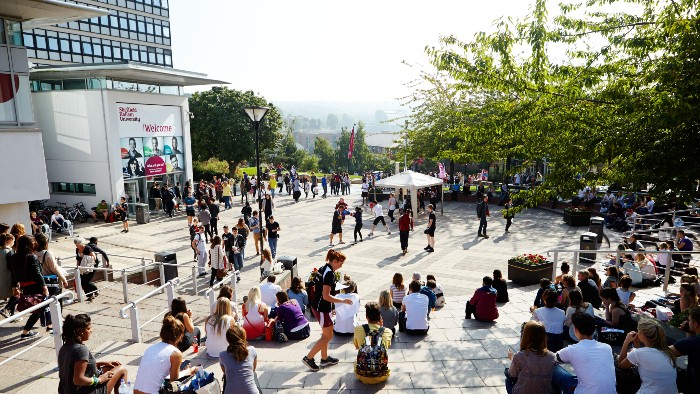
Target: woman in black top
(26, 276)
(178, 309)
(501, 286)
(78, 371)
(84, 252)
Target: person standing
(269, 205)
(324, 185)
(378, 217)
(25, 270)
(482, 212)
(124, 208)
(273, 229)
(405, 225)
(214, 221)
(254, 224)
(238, 243)
(227, 242)
(200, 245)
(323, 308)
(226, 194)
(314, 184)
(205, 220)
(508, 213)
(297, 189)
(392, 206)
(430, 231)
(337, 226)
(189, 208)
(365, 191)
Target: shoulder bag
(27, 301)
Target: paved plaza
(456, 356)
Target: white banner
(141, 120)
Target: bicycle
(77, 213)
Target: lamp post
(256, 115)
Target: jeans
(482, 225)
(391, 215)
(214, 229)
(213, 277)
(325, 191)
(227, 202)
(403, 237)
(273, 245)
(207, 232)
(237, 261)
(358, 227)
(201, 260)
(565, 381)
(509, 221)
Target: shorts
(430, 232)
(365, 194)
(324, 318)
(190, 213)
(379, 219)
(337, 230)
(125, 218)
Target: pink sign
(155, 166)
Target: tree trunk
(452, 171)
(232, 169)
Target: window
(73, 188)
(53, 44)
(41, 42)
(28, 40)
(65, 46)
(74, 84)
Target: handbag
(220, 274)
(27, 301)
(87, 261)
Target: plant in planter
(528, 269)
(577, 216)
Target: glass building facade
(137, 31)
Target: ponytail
(335, 255)
(237, 344)
(72, 325)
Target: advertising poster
(172, 145)
(173, 163)
(153, 146)
(155, 165)
(133, 167)
(131, 147)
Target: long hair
(179, 305)
(237, 343)
(612, 295)
(656, 336)
(297, 285)
(334, 255)
(691, 296)
(267, 255)
(226, 291)
(25, 245)
(385, 299)
(222, 313)
(397, 281)
(72, 325)
(254, 297)
(534, 337)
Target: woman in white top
(216, 326)
(632, 270)
(254, 315)
(162, 360)
(553, 319)
(392, 206)
(655, 361)
(217, 258)
(646, 266)
(576, 305)
(346, 321)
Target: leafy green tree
(360, 152)
(220, 128)
(325, 153)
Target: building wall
(16, 213)
(82, 142)
(21, 156)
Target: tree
(325, 153)
(220, 129)
(620, 107)
(332, 121)
(360, 151)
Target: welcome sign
(142, 120)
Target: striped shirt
(396, 294)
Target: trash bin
(289, 263)
(169, 257)
(596, 226)
(588, 242)
(143, 216)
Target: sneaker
(431, 250)
(485, 236)
(309, 362)
(370, 234)
(330, 244)
(203, 274)
(30, 334)
(341, 242)
(388, 233)
(427, 247)
(329, 361)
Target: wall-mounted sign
(140, 120)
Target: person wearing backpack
(372, 341)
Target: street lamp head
(256, 113)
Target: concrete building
(307, 138)
(21, 146)
(113, 130)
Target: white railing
(56, 320)
(618, 253)
(132, 307)
(232, 278)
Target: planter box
(577, 219)
(526, 274)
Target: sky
(322, 51)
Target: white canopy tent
(412, 181)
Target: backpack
(318, 286)
(372, 358)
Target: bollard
(143, 270)
(194, 280)
(135, 324)
(78, 284)
(212, 297)
(667, 273)
(125, 286)
(57, 321)
(556, 266)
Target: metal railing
(618, 253)
(136, 326)
(56, 320)
(232, 278)
(645, 223)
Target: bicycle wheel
(81, 217)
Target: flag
(443, 174)
(352, 142)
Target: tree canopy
(607, 96)
(221, 129)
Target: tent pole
(414, 203)
(442, 200)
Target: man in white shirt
(268, 292)
(199, 244)
(516, 179)
(57, 221)
(365, 192)
(414, 311)
(378, 217)
(592, 361)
